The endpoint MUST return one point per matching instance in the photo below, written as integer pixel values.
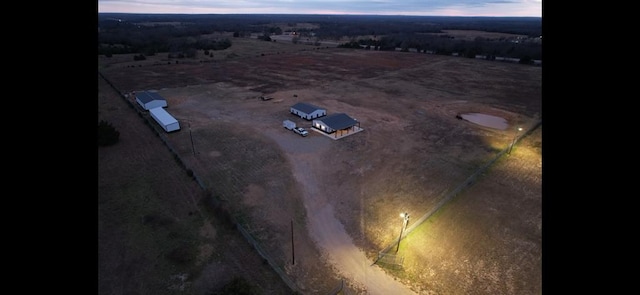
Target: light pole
(405, 220)
(513, 141)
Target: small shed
(149, 100)
(166, 121)
(336, 122)
(307, 111)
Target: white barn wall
(322, 126)
(303, 115)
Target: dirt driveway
(305, 156)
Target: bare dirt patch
(413, 152)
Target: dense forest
(148, 34)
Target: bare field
(412, 153)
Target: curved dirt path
(305, 156)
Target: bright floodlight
(405, 220)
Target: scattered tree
(238, 286)
(527, 60)
(107, 134)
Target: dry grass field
(154, 234)
(413, 154)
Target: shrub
(238, 286)
(181, 255)
(107, 134)
(527, 60)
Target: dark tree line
(125, 37)
(445, 45)
(182, 33)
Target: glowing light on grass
(514, 140)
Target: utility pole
(191, 136)
(293, 255)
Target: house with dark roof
(150, 100)
(307, 111)
(336, 123)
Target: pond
(485, 120)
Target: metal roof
(147, 96)
(306, 107)
(338, 121)
(163, 116)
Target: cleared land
(413, 153)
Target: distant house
(150, 100)
(166, 121)
(307, 111)
(338, 123)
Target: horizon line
(329, 14)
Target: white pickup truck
(292, 126)
(301, 131)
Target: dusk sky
(379, 7)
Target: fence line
(242, 230)
(468, 182)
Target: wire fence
(457, 190)
(240, 228)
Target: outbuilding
(307, 111)
(337, 123)
(166, 121)
(149, 100)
